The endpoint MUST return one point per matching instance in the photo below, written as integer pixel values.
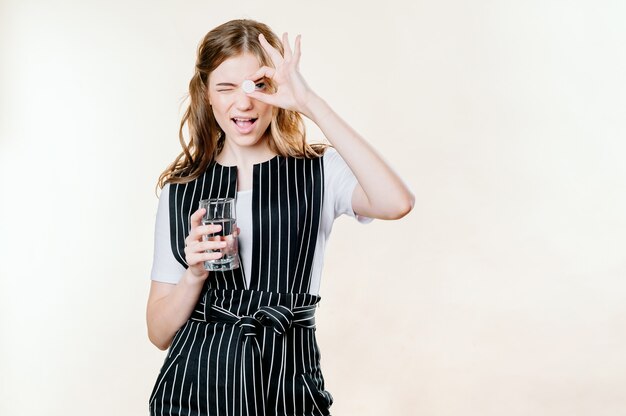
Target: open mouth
(244, 125)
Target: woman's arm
(380, 192)
(170, 305)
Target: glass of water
(221, 211)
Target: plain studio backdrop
(503, 292)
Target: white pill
(248, 86)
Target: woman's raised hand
(291, 90)
(196, 247)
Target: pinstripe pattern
(251, 350)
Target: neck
(244, 156)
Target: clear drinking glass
(221, 211)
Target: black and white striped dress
(249, 347)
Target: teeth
(242, 119)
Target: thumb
(264, 98)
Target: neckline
(253, 165)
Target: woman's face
(243, 119)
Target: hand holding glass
(221, 211)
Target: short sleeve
(165, 268)
(339, 184)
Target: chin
(248, 140)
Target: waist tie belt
(279, 318)
(249, 377)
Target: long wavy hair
(286, 130)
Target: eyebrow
(230, 84)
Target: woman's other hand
(196, 247)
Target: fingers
(217, 244)
(275, 56)
(196, 217)
(286, 46)
(288, 53)
(194, 259)
(198, 231)
(284, 74)
(200, 251)
(264, 71)
(292, 56)
(202, 246)
(265, 98)
(298, 51)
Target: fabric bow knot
(249, 374)
(279, 318)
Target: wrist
(316, 108)
(193, 279)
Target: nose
(243, 101)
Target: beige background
(503, 292)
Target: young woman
(242, 342)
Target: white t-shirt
(339, 184)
